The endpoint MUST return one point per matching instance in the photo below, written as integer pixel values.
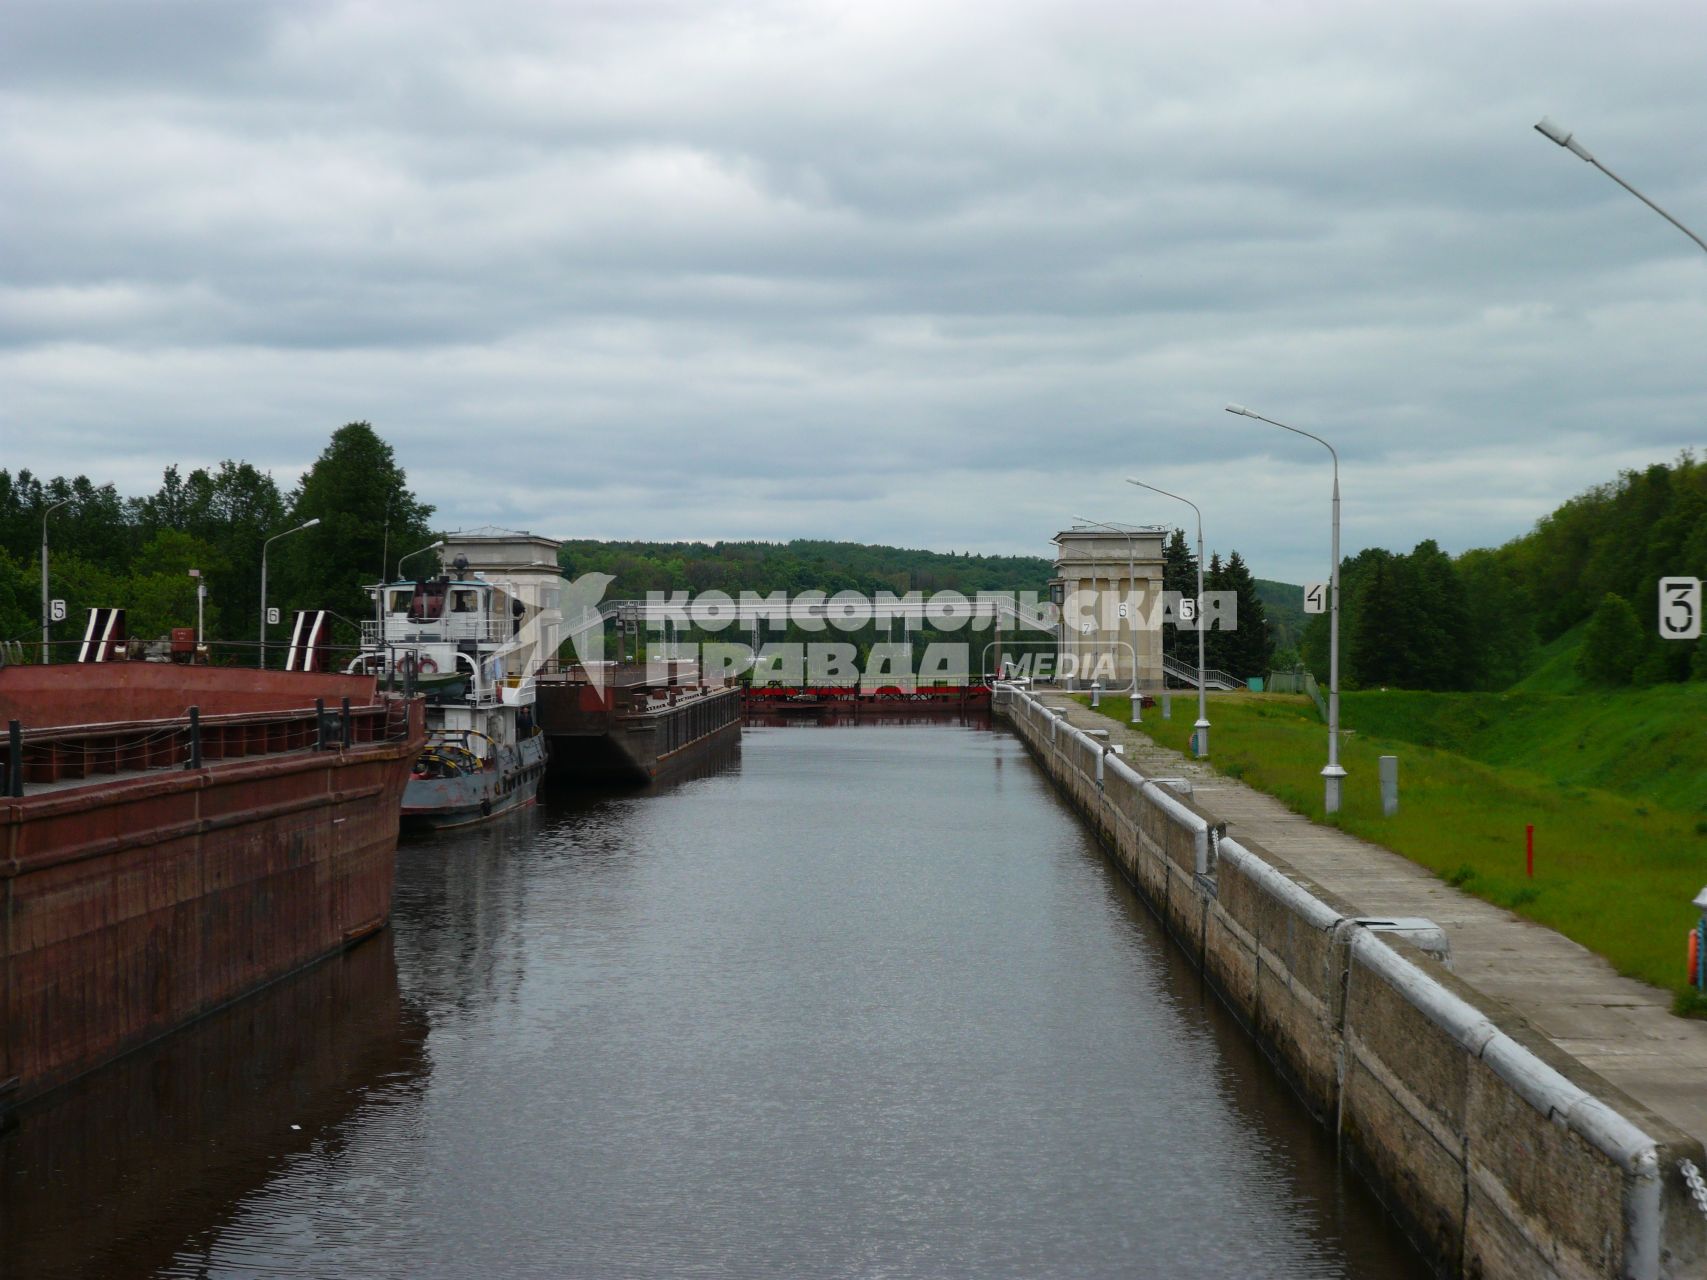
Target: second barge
(635, 724)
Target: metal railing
(71, 753)
(447, 629)
(1298, 680)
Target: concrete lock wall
(1502, 1155)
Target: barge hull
(622, 734)
(130, 907)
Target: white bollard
(1389, 785)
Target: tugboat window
(428, 602)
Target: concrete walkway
(1618, 1027)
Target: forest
(799, 565)
(806, 565)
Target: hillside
(1284, 604)
(1513, 616)
(1644, 743)
(800, 565)
(1553, 667)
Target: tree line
(1425, 620)
(802, 564)
(107, 550)
(810, 565)
(137, 552)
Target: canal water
(857, 1001)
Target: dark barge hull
(611, 736)
(135, 902)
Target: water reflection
(114, 1174)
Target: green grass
(1647, 744)
(1615, 872)
(1555, 666)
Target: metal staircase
(1184, 675)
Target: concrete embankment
(1502, 1154)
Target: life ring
(1695, 957)
(428, 667)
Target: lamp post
(1202, 725)
(1332, 773)
(265, 547)
(201, 600)
(1131, 585)
(1061, 621)
(1566, 139)
(431, 546)
(45, 619)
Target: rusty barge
(637, 723)
(174, 837)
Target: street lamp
(44, 605)
(1332, 773)
(1131, 585)
(1202, 725)
(1566, 139)
(201, 601)
(265, 546)
(1061, 620)
(431, 546)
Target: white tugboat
(471, 640)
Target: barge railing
(69, 753)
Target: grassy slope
(1612, 871)
(1555, 667)
(1648, 744)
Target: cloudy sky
(928, 273)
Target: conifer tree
(1217, 643)
(1375, 658)
(1250, 647)
(1179, 574)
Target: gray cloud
(933, 275)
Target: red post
(1529, 850)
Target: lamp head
(1564, 137)
(1240, 410)
(310, 524)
